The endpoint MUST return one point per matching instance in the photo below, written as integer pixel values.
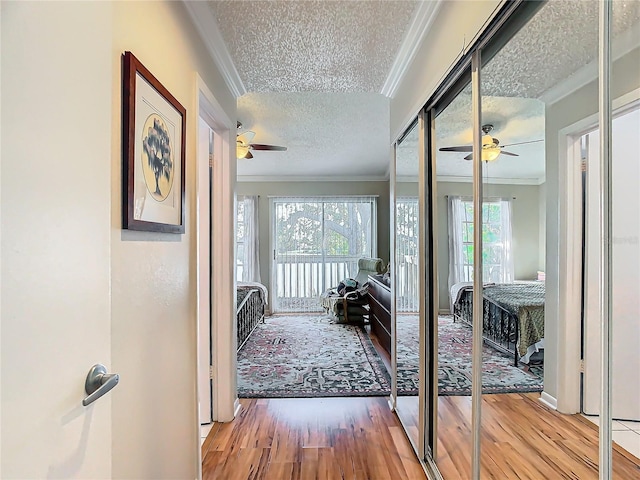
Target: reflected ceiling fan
(491, 148)
(244, 145)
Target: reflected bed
(513, 316)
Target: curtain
(496, 236)
(507, 271)
(251, 260)
(456, 217)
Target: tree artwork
(158, 168)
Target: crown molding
(295, 179)
(407, 179)
(491, 180)
(424, 16)
(207, 27)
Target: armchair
(352, 307)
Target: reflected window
(496, 240)
(407, 254)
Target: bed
(513, 316)
(251, 301)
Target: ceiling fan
(491, 148)
(244, 145)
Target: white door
(205, 144)
(56, 232)
(625, 275)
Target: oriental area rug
(499, 375)
(311, 356)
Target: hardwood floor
(522, 439)
(324, 438)
(359, 438)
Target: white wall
(154, 275)
(542, 234)
(77, 289)
(55, 221)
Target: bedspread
(525, 301)
(254, 285)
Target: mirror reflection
(539, 114)
(407, 281)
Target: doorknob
(98, 383)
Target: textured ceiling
(314, 70)
(319, 46)
(559, 40)
(327, 134)
(514, 120)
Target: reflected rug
(499, 375)
(310, 356)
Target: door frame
(569, 391)
(203, 267)
(222, 292)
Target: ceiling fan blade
(246, 137)
(461, 148)
(522, 143)
(469, 157)
(248, 155)
(509, 153)
(261, 146)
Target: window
(247, 240)
(240, 239)
(407, 254)
(496, 240)
(317, 242)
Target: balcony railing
(300, 280)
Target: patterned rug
(310, 356)
(499, 375)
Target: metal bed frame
(500, 329)
(250, 312)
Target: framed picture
(154, 126)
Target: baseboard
(444, 311)
(549, 401)
(236, 407)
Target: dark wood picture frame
(153, 151)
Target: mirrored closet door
(406, 280)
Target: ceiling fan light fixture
(488, 141)
(489, 154)
(242, 149)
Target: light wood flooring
(360, 438)
(323, 439)
(522, 439)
